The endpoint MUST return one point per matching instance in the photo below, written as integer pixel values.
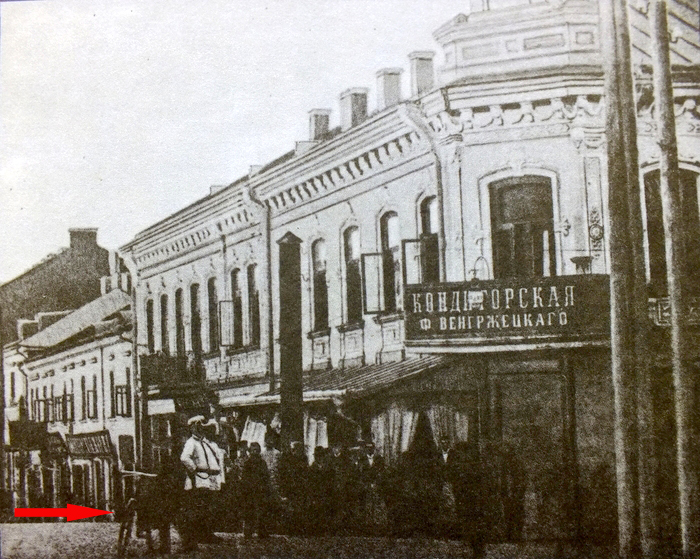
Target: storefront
(92, 460)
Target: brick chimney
(82, 238)
(353, 107)
(319, 123)
(422, 77)
(388, 87)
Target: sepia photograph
(350, 279)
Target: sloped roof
(86, 316)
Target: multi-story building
(435, 268)
(69, 404)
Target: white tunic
(201, 459)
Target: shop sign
(660, 311)
(509, 310)
(89, 444)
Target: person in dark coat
(255, 490)
(293, 484)
(374, 483)
(465, 473)
(320, 492)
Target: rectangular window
(122, 400)
(236, 293)
(353, 276)
(59, 406)
(320, 286)
(91, 403)
(522, 228)
(253, 306)
(195, 319)
(149, 326)
(69, 408)
(164, 334)
(213, 303)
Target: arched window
(353, 278)
(196, 319)
(391, 265)
(179, 324)
(690, 225)
(149, 326)
(522, 227)
(164, 334)
(429, 247)
(213, 302)
(320, 287)
(253, 305)
(236, 294)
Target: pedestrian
(255, 488)
(293, 482)
(201, 461)
(320, 492)
(374, 482)
(465, 474)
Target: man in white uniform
(204, 472)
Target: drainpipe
(267, 232)
(411, 114)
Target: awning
(76, 322)
(369, 378)
(90, 444)
(338, 383)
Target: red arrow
(71, 512)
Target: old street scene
(459, 318)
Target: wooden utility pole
(672, 208)
(628, 298)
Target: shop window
(179, 324)
(164, 337)
(149, 326)
(320, 287)
(237, 311)
(195, 319)
(522, 228)
(690, 225)
(391, 265)
(253, 305)
(213, 307)
(353, 278)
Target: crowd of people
(343, 490)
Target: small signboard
(509, 310)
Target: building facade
(69, 406)
(437, 268)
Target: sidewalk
(91, 540)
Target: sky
(116, 113)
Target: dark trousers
(256, 516)
(197, 517)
